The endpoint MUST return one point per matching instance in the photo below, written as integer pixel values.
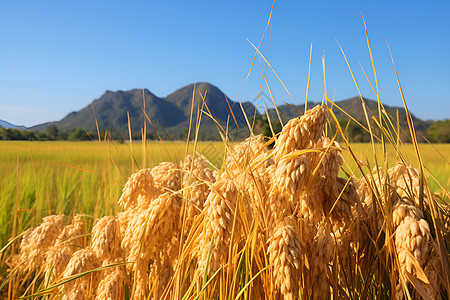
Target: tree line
(437, 132)
(50, 134)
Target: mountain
(170, 115)
(353, 107)
(216, 102)
(172, 112)
(4, 124)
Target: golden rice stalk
(432, 270)
(79, 292)
(257, 186)
(286, 182)
(140, 279)
(219, 217)
(310, 215)
(161, 272)
(405, 213)
(106, 239)
(167, 177)
(320, 255)
(284, 253)
(289, 175)
(71, 234)
(326, 164)
(406, 181)
(249, 165)
(309, 177)
(146, 185)
(82, 261)
(295, 198)
(240, 157)
(67, 242)
(302, 132)
(350, 222)
(348, 206)
(125, 217)
(279, 208)
(37, 241)
(321, 179)
(364, 194)
(403, 179)
(134, 239)
(148, 234)
(57, 259)
(198, 167)
(415, 248)
(112, 287)
(321, 190)
(194, 186)
(140, 183)
(413, 241)
(321, 187)
(412, 237)
(153, 229)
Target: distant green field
(42, 178)
(435, 157)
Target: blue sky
(58, 56)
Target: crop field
(435, 157)
(44, 178)
(40, 179)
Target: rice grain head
(37, 241)
(406, 181)
(57, 259)
(82, 261)
(106, 239)
(218, 225)
(302, 132)
(284, 251)
(112, 287)
(195, 187)
(140, 183)
(72, 233)
(147, 235)
(78, 292)
(242, 155)
(320, 256)
(415, 248)
(167, 177)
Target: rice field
(44, 178)
(226, 224)
(435, 157)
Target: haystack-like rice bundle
(307, 229)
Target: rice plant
(284, 223)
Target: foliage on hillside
(51, 134)
(439, 132)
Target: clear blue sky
(58, 56)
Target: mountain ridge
(114, 109)
(7, 125)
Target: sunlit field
(87, 178)
(44, 178)
(435, 158)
